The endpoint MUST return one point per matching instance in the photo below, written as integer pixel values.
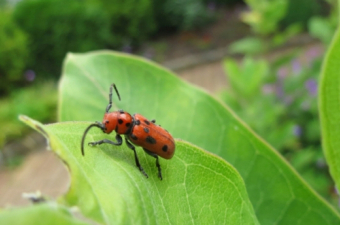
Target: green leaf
(246, 78)
(321, 28)
(277, 192)
(248, 45)
(329, 105)
(197, 187)
(45, 213)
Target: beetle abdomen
(152, 137)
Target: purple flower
(305, 105)
(268, 89)
(297, 130)
(296, 66)
(29, 75)
(337, 192)
(320, 163)
(127, 48)
(211, 6)
(288, 100)
(312, 86)
(282, 73)
(279, 91)
(149, 53)
(312, 54)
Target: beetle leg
(157, 162)
(118, 138)
(136, 157)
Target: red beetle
(140, 131)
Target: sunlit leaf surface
(197, 187)
(276, 191)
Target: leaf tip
(33, 124)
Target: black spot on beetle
(116, 129)
(127, 124)
(150, 140)
(165, 148)
(106, 121)
(134, 137)
(121, 111)
(120, 121)
(146, 130)
(137, 122)
(147, 122)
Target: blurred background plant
(276, 96)
(274, 22)
(14, 52)
(278, 100)
(37, 101)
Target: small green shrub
(131, 21)
(182, 14)
(265, 15)
(301, 11)
(81, 26)
(39, 101)
(59, 26)
(223, 2)
(13, 52)
(279, 101)
(322, 28)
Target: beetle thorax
(119, 121)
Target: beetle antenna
(84, 135)
(115, 90)
(110, 97)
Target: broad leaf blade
(274, 188)
(330, 108)
(198, 187)
(44, 213)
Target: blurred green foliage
(14, 52)
(39, 101)
(182, 14)
(321, 28)
(258, 45)
(270, 16)
(223, 2)
(265, 15)
(301, 11)
(59, 26)
(279, 101)
(88, 25)
(46, 29)
(274, 22)
(131, 22)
